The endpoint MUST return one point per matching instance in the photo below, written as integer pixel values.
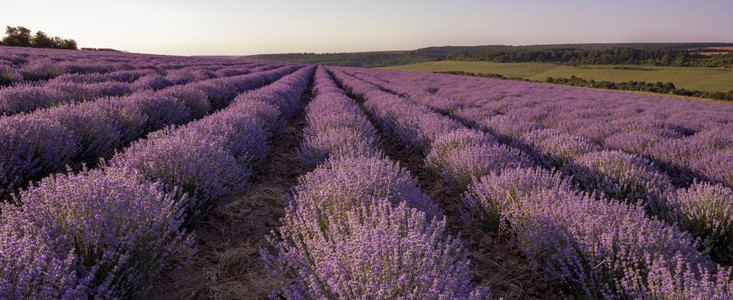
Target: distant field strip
(691, 78)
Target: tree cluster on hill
(21, 36)
(609, 56)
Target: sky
(228, 27)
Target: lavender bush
(241, 134)
(555, 148)
(101, 126)
(27, 98)
(337, 127)
(161, 110)
(374, 251)
(9, 75)
(597, 248)
(458, 168)
(195, 99)
(705, 210)
(621, 176)
(112, 230)
(188, 160)
(33, 270)
(341, 183)
(29, 148)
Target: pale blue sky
(228, 27)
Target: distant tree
(41, 40)
(17, 36)
(21, 36)
(67, 44)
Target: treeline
(353, 59)
(657, 87)
(21, 36)
(610, 56)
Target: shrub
(32, 147)
(621, 176)
(190, 162)
(118, 230)
(375, 251)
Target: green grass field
(690, 78)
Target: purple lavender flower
(151, 82)
(27, 98)
(621, 176)
(9, 75)
(112, 230)
(187, 160)
(101, 126)
(31, 147)
(706, 211)
(196, 100)
(160, 109)
(373, 250)
(555, 148)
(41, 69)
(341, 183)
(240, 133)
(461, 155)
(31, 269)
(597, 248)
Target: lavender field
(143, 176)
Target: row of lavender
(690, 139)
(703, 209)
(45, 141)
(20, 65)
(105, 233)
(358, 225)
(86, 84)
(596, 248)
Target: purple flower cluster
(26, 98)
(151, 82)
(29, 147)
(360, 227)
(596, 248)
(705, 210)
(9, 75)
(463, 154)
(340, 183)
(188, 160)
(414, 125)
(555, 148)
(194, 99)
(621, 176)
(104, 234)
(100, 126)
(41, 69)
(374, 251)
(337, 127)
